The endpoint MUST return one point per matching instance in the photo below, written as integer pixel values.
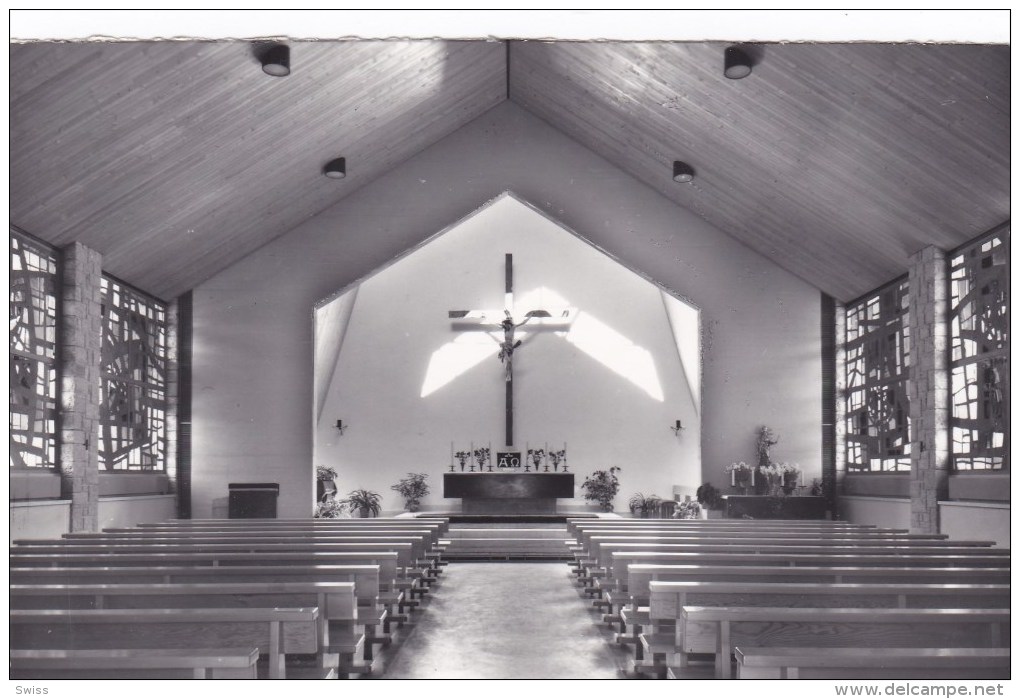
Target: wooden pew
(409, 549)
(442, 522)
(786, 537)
(616, 592)
(165, 663)
(668, 599)
(573, 525)
(641, 575)
(390, 593)
(428, 553)
(621, 559)
(432, 533)
(412, 578)
(786, 626)
(872, 663)
(338, 612)
(375, 619)
(275, 631)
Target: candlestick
(472, 455)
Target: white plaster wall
(561, 393)
(881, 512)
(40, 519)
(129, 511)
(976, 521)
(253, 336)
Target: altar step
(506, 542)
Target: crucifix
(504, 320)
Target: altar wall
(254, 407)
(609, 387)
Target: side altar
(508, 493)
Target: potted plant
(688, 509)
(364, 502)
(412, 489)
(601, 487)
(330, 508)
(709, 497)
(325, 483)
(639, 504)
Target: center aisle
(506, 621)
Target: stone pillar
(928, 389)
(835, 489)
(80, 358)
(172, 376)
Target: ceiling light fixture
(737, 63)
(276, 60)
(682, 172)
(336, 169)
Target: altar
(508, 493)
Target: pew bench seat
(122, 663)
(805, 626)
(872, 663)
(274, 631)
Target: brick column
(80, 357)
(928, 389)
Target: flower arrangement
(462, 457)
(330, 509)
(325, 473)
(601, 487)
(556, 457)
(412, 489)
(688, 509)
(536, 456)
(741, 474)
(481, 456)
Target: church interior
(759, 292)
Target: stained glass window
(33, 382)
(877, 370)
(133, 395)
(979, 354)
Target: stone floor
(505, 620)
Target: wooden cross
(504, 319)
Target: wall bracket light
(677, 429)
(340, 427)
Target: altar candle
(733, 478)
(451, 454)
(472, 452)
(752, 475)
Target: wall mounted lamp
(677, 428)
(736, 63)
(276, 60)
(682, 172)
(336, 169)
(340, 426)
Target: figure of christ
(484, 319)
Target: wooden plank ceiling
(176, 159)
(835, 161)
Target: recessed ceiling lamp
(737, 63)
(682, 172)
(336, 169)
(276, 60)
